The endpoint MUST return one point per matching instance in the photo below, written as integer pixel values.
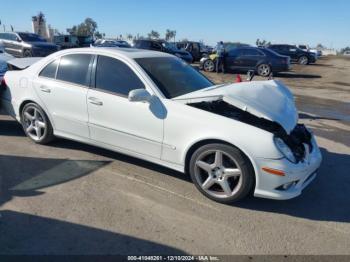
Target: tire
(209, 65)
(303, 60)
(235, 173)
(264, 70)
(27, 53)
(36, 124)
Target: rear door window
(114, 76)
(74, 68)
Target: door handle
(45, 89)
(95, 101)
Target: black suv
(196, 49)
(295, 53)
(163, 46)
(26, 44)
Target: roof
(130, 53)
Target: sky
(279, 21)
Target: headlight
(284, 149)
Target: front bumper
(302, 174)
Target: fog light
(287, 186)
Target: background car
(263, 61)
(22, 44)
(110, 43)
(295, 53)
(66, 41)
(163, 46)
(85, 41)
(303, 47)
(196, 49)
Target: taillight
(3, 83)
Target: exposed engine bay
(295, 140)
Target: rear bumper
(300, 175)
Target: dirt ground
(70, 198)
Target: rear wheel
(27, 53)
(221, 172)
(209, 65)
(303, 60)
(36, 124)
(264, 70)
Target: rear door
(62, 86)
(292, 52)
(250, 57)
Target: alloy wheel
(303, 60)
(218, 174)
(209, 66)
(34, 123)
(264, 70)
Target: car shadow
(25, 176)
(26, 234)
(325, 199)
(296, 75)
(67, 144)
(311, 117)
(10, 128)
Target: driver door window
(113, 76)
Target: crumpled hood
(271, 100)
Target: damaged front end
(299, 140)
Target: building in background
(40, 27)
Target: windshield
(31, 37)
(173, 76)
(170, 46)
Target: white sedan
(233, 139)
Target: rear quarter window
(49, 71)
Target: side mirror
(18, 40)
(139, 95)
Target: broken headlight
(284, 149)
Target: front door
(113, 119)
(233, 59)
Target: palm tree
(169, 34)
(153, 35)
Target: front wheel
(209, 65)
(303, 60)
(264, 70)
(36, 124)
(221, 172)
